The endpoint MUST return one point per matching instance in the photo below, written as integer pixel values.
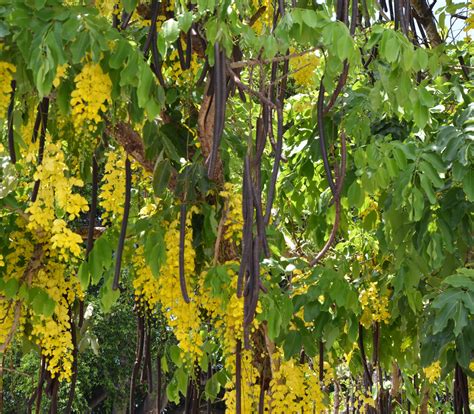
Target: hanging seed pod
(43, 109)
(276, 164)
(123, 229)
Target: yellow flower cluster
(64, 240)
(6, 319)
(374, 306)
(60, 74)
(107, 7)
(266, 18)
(303, 67)
(233, 206)
(146, 286)
(90, 98)
(363, 401)
(173, 73)
(21, 250)
(30, 149)
(433, 372)
(295, 388)
(6, 76)
(182, 317)
(56, 193)
(53, 333)
(249, 384)
(112, 192)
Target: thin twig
(258, 62)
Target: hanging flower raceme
(182, 317)
(60, 74)
(374, 306)
(302, 68)
(91, 96)
(6, 77)
(52, 332)
(146, 286)
(112, 192)
(56, 195)
(294, 388)
(433, 372)
(233, 212)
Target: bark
(427, 20)
(131, 141)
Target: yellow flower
(433, 372)
(6, 76)
(91, 96)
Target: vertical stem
(158, 385)
(138, 360)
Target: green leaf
(119, 55)
(109, 298)
(185, 21)
(417, 205)
(11, 288)
(129, 5)
(468, 185)
(175, 355)
(390, 46)
(170, 30)
(213, 386)
(425, 183)
(431, 173)
(274, 322)
(292, 344)
(356, 195)
(145, 84)
(83, 275)
(161, 177)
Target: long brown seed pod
(152, 31)
(354, 16)
(182, 235)
(205, 70)
(219, 118)
(322, 139)
(189, 49)
(37, 124)
(276, 164)
(44, 108)
(340, 84)
(11, 140)
(253, 283)
(247, 214)
(157, 63)
(337, 200)
(238, 377)
(123, 229)
(182, 60)
(257, 202)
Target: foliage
(279, 195)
